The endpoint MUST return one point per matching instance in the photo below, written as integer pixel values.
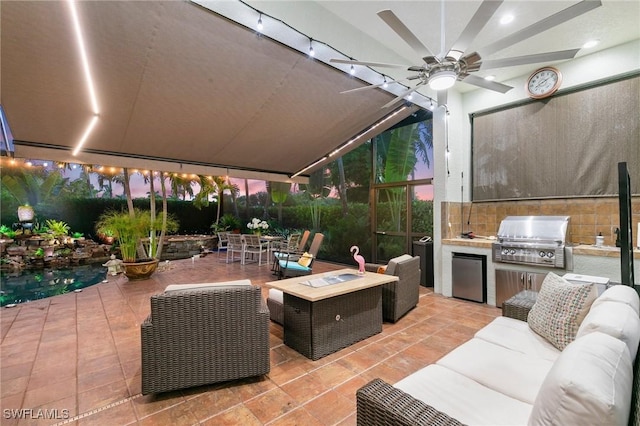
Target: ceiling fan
(441, 72)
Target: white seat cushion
(464, 399)
(276, 295)
(204, 286)
(616, 319)
(512, 373)
(516, 335)
(589, 384)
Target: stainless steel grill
(533, 240)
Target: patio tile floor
(78, 355)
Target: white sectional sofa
(571, 363)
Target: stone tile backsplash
(589, 216)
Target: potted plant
(129, 230)
(230, 222)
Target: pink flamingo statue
(355, 251)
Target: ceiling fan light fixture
(442, 80)
(506, 19)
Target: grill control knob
(505, 251)
(550, 254)
(512, 251)
(542, 254)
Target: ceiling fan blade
(373, 86)
(529, 59)
(401, 96)
(369, 64)
(543, 25)
(396, 25)
(475, 25)
(486, 84)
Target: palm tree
(279, 191)
(213, 185)
(317, 189)
(181, 186)
(34, 187)
(398, 150)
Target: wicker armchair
(401, 296)
(213, 333)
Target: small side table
(518, 306)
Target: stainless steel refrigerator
(469, 277)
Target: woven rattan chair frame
(204, 336)
(379, 403)
(401, 296)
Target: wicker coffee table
(332, 315)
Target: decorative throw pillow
(305, 259)
(382, 269)
(560, 308)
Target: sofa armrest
(380, 403)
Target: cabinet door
(508, 283)
(534, 280)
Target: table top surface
(295, 286)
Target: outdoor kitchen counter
(580, 249)
(465, 242)
(604, 251)
(587, 260)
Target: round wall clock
(543, 83)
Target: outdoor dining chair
(223, 240)
(302, 264)
(235, 245)
(253, 245)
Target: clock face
(543, 82)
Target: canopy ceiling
(175, 82)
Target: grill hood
(534, 229)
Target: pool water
(23, 286)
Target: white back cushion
(589, 384)
(621, 294)
(206, 286)
(616, 319)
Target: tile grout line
(97, 410)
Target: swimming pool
(23, 286)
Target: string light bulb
(353, 70)
(260, 26)
(385, 84)
(311, 51)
